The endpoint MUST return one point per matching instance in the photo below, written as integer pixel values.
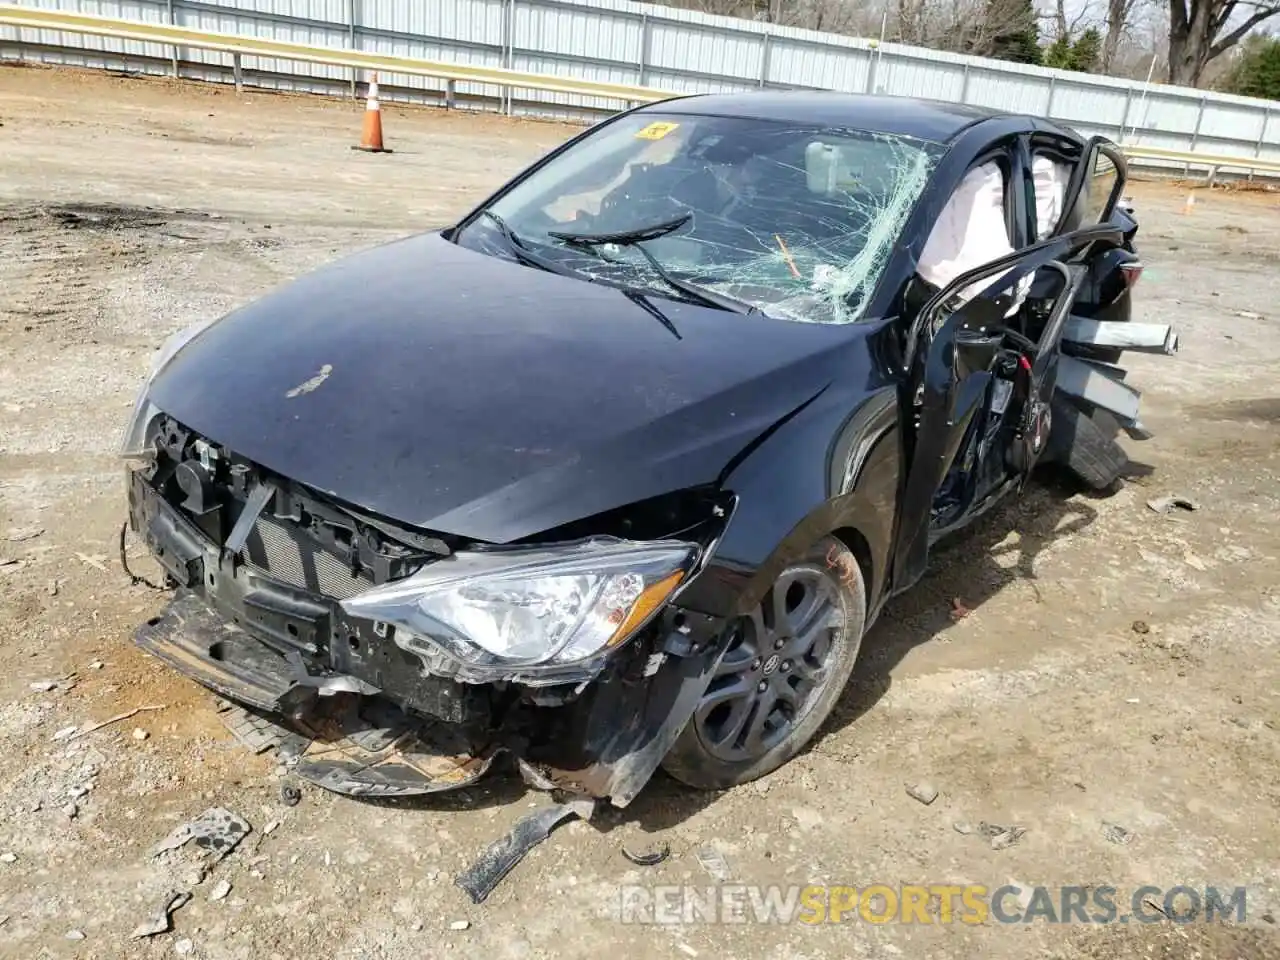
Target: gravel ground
(1116, 668)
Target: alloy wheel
(774, 667)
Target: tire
(1085, 444)
(726, 742)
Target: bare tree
(726, 8)
(1200, 30)
(910, 26)
(835, 16)
(1119, 18)
(960, 26)
(1064, 28)
(1119, 15)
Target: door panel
(960, 365)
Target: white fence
(617, 41)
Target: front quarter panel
(834, 468)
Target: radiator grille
(282, 552)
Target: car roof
(936, 120)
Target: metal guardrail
(1211, 162)
(239, 45)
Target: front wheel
(786, 665)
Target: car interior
(978, 226)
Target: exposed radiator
(282, 552)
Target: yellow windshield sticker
(656, 131)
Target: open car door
(980, 387)
(981, 376)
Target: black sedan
(617, 471)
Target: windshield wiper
(635, 238)
(644, 303)
(525, 255)
(636, 235)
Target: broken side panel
(609, 742)
(1100, 385)
(1142, 337)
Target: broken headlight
(538, 614)
(134, 444)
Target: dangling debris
(1166, 504)
(713, 861)
(1116, 833)
(480, 879)
(650, 859)
(1001, 837)
(217, 831)
(162, 920)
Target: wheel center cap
(771, 664)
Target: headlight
(537, 614)
(134, 444)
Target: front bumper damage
(356, 714)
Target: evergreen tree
(1014, 35)
(1084, 54)
(1257, 71)
(1087, 51)
(1060, 54)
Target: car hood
(469, 395)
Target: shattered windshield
(795, 220)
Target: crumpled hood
(465, 394)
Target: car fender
(835, 468)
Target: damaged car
(616, 472)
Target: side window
(974, 227)
(1100, 184)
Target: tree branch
(1236, 35)
(1219, 14)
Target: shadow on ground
(964, 573)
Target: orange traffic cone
(371, 136)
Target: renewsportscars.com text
(928, 904)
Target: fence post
(646, 43)
(1048, 107)
(351, 40)
(1262, 136)
(872, 64)
(1195, 134)
(1124, 119)
(173, 51)
(450, 93)
(964, 86)
(766, 46)
(508, 23)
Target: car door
(959, 356)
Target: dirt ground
(1117, 667)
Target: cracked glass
(794, 220)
